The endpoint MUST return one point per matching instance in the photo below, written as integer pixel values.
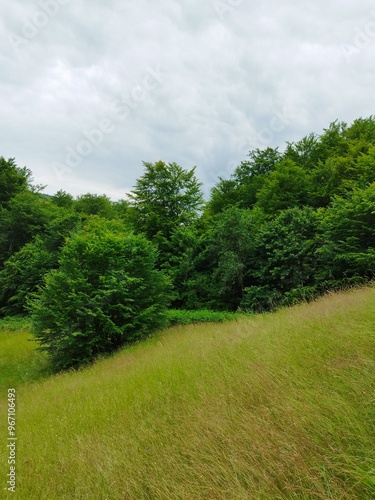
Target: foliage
(231, 245)
(94, 204)
(306, 153)
(283, 228)
(177, 257)
(62, 199)
(121, 210)
(285, 187)
(13, 180)
(165, 197)
(27, 215)
(15, 323)
(283, 258)
(24, 271)
(105, 293)
(347, 247)
(184, 317)
(242, 188)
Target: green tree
(347, 229)
(333, 142)
(94, 204)
(27, 215)
(62, 199)
(306, 153)
(105, 293)
(230, 247)
(287, 186)
(13, 180)
(24, 271)
(283, 261)
(248, 178)
(165, 197)
(178, 254)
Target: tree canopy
(165, 197)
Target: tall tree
(94, 204)
(27, 215)
(13, 180)
(285, 187)
(23, 272)
(347, 227)
(248, 178)
(165, 197)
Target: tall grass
(269, 407)
(187, 317)
(20, 362)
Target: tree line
(95, 274)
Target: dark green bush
(183, 317)
(105, 293)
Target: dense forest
(285, 227)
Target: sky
(91, 89)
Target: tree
(225, 194)
(347, 230)
(261, 162)
(285, 187)
(305, 153)
(13, 180)
(248, 178)
(105, 293)
(178, 256)
(165, 197)
(24, 271)
(232, 245)
(94, 204)
(27, 215)
(282, 265)
(62, 199)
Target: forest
(95, 274)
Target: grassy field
(19, 361)
(268, 407)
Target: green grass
(185, 317)
(268, 407)
(20, 362)
(14, 323)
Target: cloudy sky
(90, 88)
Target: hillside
(275, 406)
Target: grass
(14, 324)
(185, 317)
(19, 361)
(268, 407)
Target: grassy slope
(269, 407)
(19, 362)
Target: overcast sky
(90, 89)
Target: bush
(347, 227)
(183, 317)
(106, 293)
(15, 323)
(24, 271)
(258, 299)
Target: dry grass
(271, 407)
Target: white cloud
(226, 80)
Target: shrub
(105, 293)
(185, 317)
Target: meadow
(273, 406)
